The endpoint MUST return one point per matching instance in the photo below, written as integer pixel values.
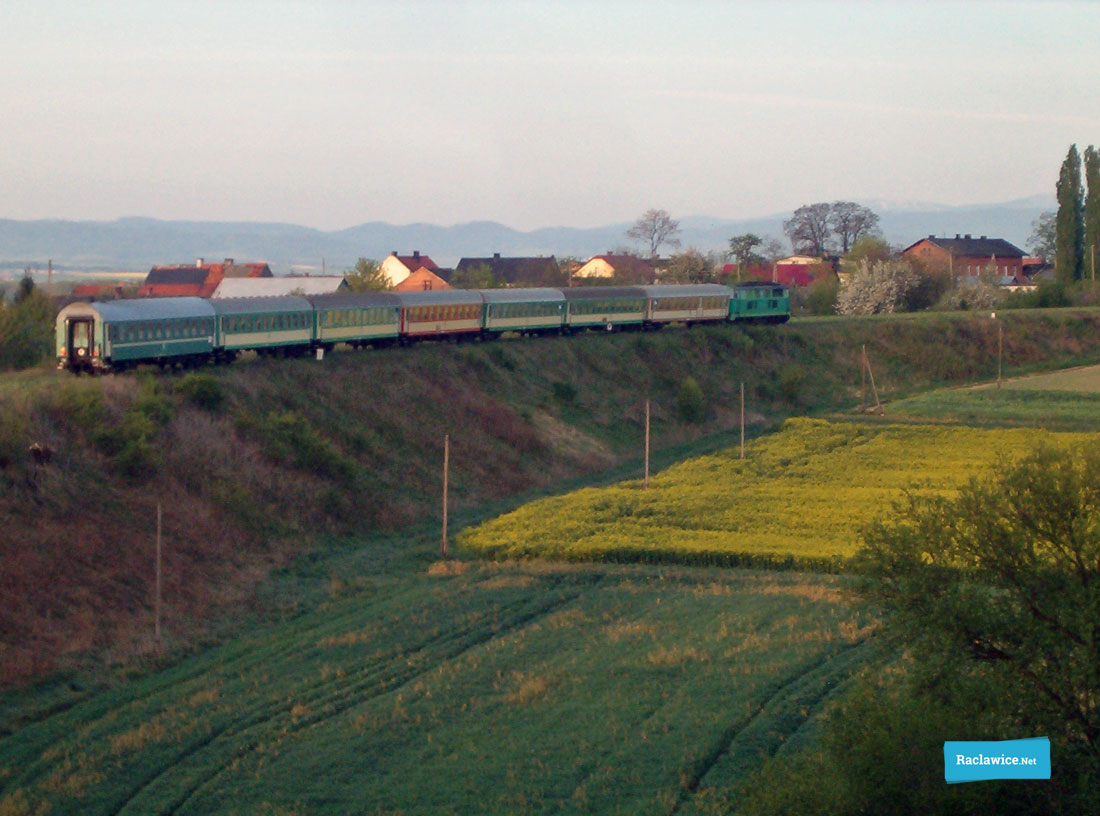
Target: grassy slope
(353, 444)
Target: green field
(799, 498)
(1060, 400)
(457, 688)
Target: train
(113, 336)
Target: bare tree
(655, 228)
(808, 228)
(1042, 240)
(850, 222)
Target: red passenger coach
(440, 313)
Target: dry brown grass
(137, 738)
(625, 630)
(672, 656)
(449, 566)
(528, 689)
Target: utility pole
(742, 420)
(646, 480)
(156, 603)
(1000, 347)
(446, 467)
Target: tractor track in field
(729, 737)
(107, 700)
(375, 681)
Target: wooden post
(646, 480)
(156, 602)
(742, 420)
(871, 376)
(1000, 350)
(863, 379)
(446, 467)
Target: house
(965, 256)
(796, 270)
(398, 267)
(533, 272)
(197, 280)
(628, 268)
(276, 287)
(422, 280)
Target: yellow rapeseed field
(800, 497)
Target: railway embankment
(262, 462)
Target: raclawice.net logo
(1004, 759)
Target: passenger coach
(118, 334)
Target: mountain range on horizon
(136, 243)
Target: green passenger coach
(356, 318)
(527, 311)
(267, 325)
(115, 335)
(607, 307)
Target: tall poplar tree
(1069, 233)
(1092, 209)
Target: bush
(565, 393)
(820, 297)
(290, 439)
(691, 405)
(203, 391)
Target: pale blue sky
(330, 114)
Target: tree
(655, 228)
(26, 327)
(743, 251)
(1042, 241)
(1092, 209)
(367, 276)
(475, 276)
(808, 229)
(876, 288)
(1069, 227)
(869, 248)
(691, 266)
(850, 222)
(1005, 577)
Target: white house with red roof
(398, 267)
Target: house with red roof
(626, 268)
(966, 257)
(422, 280)
(398, 267)
(197, 280)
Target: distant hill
(138, 243)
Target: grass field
(457, 688)
(799, 498)
(1060, 400)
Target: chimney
(394, 253)
(228, 261)
(416, 253)
(931, 237)
(983, 237)
(199, 262)
(968, 236)
(496, 256)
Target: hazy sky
(329, 113)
